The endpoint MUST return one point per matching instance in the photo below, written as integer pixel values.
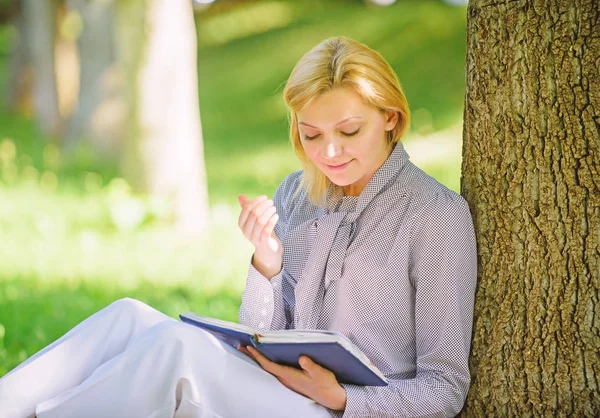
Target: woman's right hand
(257, 221)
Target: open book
(329, 349)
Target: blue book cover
(331, 350)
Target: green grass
(74, 237)
(39, 312)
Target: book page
(219, 323)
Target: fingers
(246, 352)
(262, 222)
(255, 224)
(313, 381)
(247, 209)
(243, 199)
(257, 220)
(267, 235)
(264, 362)
(312, 368)
(270, 366)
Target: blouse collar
(388, 171)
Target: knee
(129, 308)
(132, 311)
(128, 304)
(179, 332)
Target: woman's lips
(338, 167)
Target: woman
(360, 241)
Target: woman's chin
(341, 182)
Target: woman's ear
(391, 119)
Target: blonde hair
(341, 62)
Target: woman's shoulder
(292, 203)
(288, 189)
(292, 181)
(432, 198)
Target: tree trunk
(99, 116)
(39, 30)
(531, 161)
(165, 154)
(18, 83)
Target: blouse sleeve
(263, 303)
(443, 271)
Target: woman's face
(345, 138)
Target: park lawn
(36, 313)
(75, 237)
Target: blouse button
(263, 312)
(267, 299)
(261, 324)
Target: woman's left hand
(312, 381)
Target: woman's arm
(443, 270)
(264, 302)
(263, 306)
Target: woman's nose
(332, 149)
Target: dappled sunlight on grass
(249, 19)
(50, 238)
(26, 156)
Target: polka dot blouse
(394, 270)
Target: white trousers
(130, 360)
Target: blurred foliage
(8, 9)
(245, 56)
(74, 236)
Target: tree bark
(531, 161)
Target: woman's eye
(308, 138)
(350, 133)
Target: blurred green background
(74, 234)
